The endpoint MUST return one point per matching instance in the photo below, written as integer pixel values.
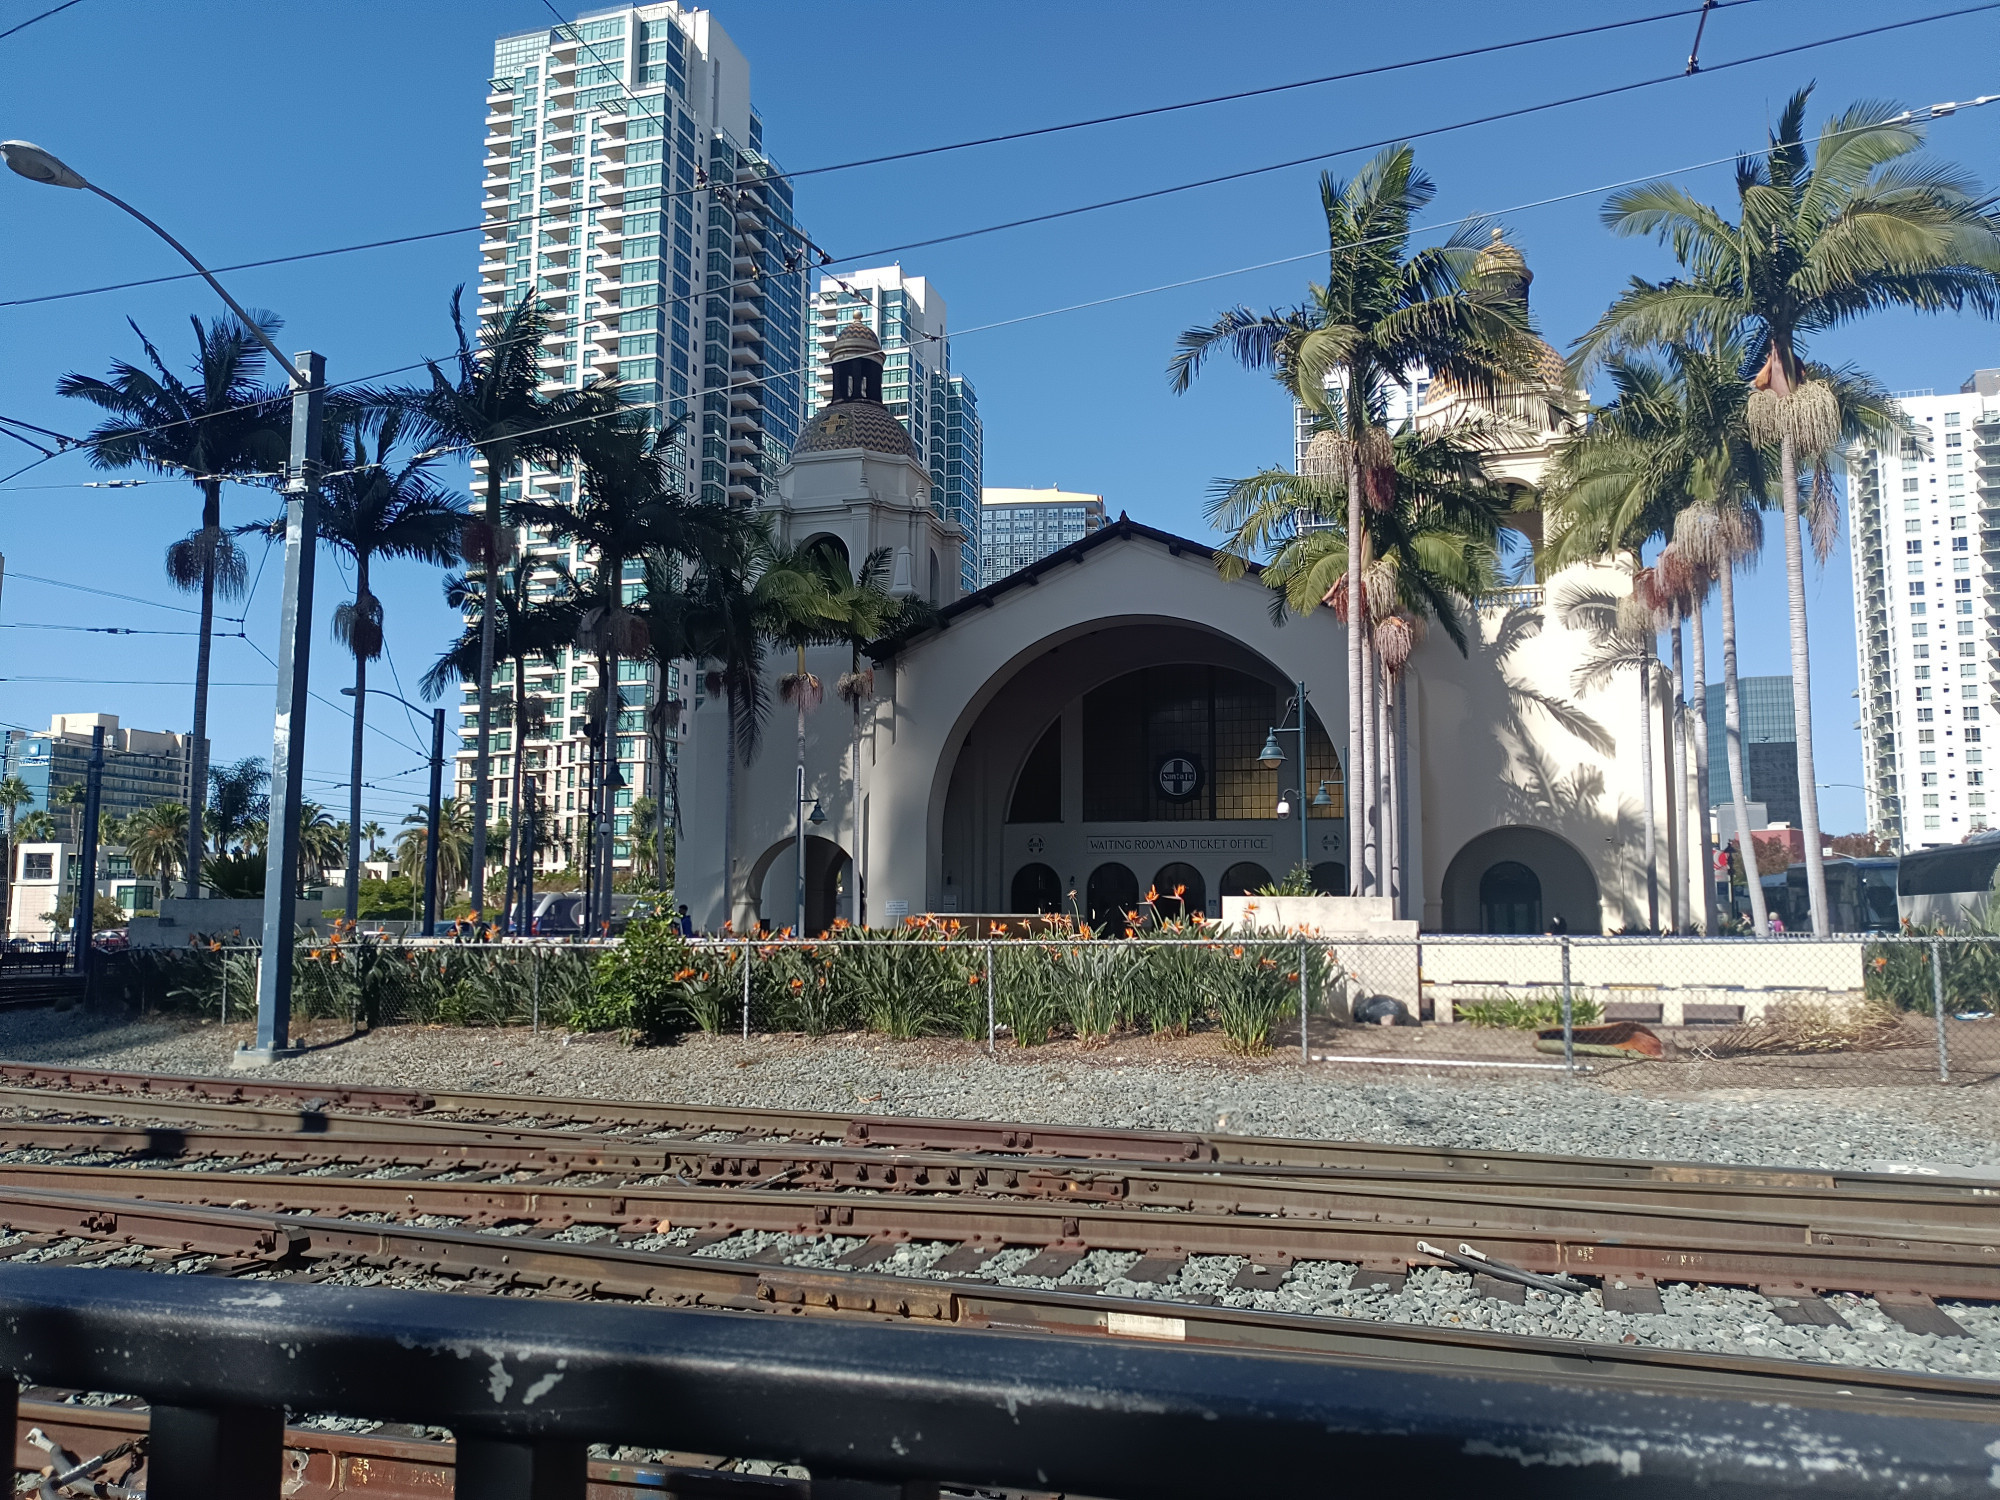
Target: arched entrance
(1037, 888)
(1244, 878)
(1519, 879)
(1113, 891)
(829, 885)
(1510, 898)
(1180, 892)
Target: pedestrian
(1777, 925)
(1557, 925)
(686, 921)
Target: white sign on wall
(1179, 843)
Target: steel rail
(919, 1133)
(397, 1463)
(1600, 1209)
(1910, 1270)
(320, 1249)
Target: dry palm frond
(1809, 416)
(855, 687)
(202, 549)
(1806, 1026)
(801, 689)
(1326, 457)
(1395, 640)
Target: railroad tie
(1263, 1275)
(1388, 1280)
(1498, 1290)
(1919, 1314)
(1798, 1306)
(1632, 1293)
(1157, 1267)
(1051, 1263)
(865, 1257)
(966, 1260)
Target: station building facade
(1089, 729)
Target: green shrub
(1252, 991)
(642, 984)
(1515, 1014)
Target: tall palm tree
(217, 425)
(491, 403)
(1383, 315)
(1823, 235)
(14, 794)
(1431, 552)
(798, 594)
(373, 832)
(38, 827)
(535, 617)
(373, 506)
(321, 841)
(70, 797)
(863, 610)
(156, 838)
(627, 509)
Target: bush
(643, 985)
(1515, 1014)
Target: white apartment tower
(936, 407)
(627, 187)
(1924, 518)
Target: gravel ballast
(1136, 1083)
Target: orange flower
(1152, 894)
(683, 975)
(798, 984)
(1179, 891)
(1235, 952)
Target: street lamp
(799, 821)
(431, 829)
(1273, 755)
(308, 376)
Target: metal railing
(876, 1410)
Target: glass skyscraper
(627, 187)
(1019, 527)
(936, 407)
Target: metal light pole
(308, 377)
(83, 913)
(799, 821)
(1273, 756)
(436, 802)
(288, 740)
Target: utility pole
(288, 745)
(431, 827)
(85, 909)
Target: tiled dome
(854, 424)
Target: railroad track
(1144, 1235)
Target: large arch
(1567, 887)
(1039, 696)
(773, 885)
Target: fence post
(535, 988)
(1305, 1051)
(1937, 1007)
(1569, 1014)
(992, 1029)
(224, 952)
(746, 989)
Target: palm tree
(863, 610)
(1383, 315)
(627, 510)
(71, 796)
(13, 794)
(239, 801)
(1434, 551)
(38, 827)
(535, 618)
(220, 424)
(1823, 236)
(374, 507)
(322, 841)
(491, 403)
(156, 838)
(373, 832)
(454, 846)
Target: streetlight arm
(298, 380)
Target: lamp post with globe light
(308, 376)
(1273, 755)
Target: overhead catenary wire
(1246, 173)
(917, 152)
(51, 11)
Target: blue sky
(254, 130)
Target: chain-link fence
(1783, 1011)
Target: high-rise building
(1770, 747)
(627, 187)
(142, 767)
(1399, 407)
(1018, 527)
(936, 406)
(1927, 612)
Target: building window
(38, 867)
(1930, 822)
